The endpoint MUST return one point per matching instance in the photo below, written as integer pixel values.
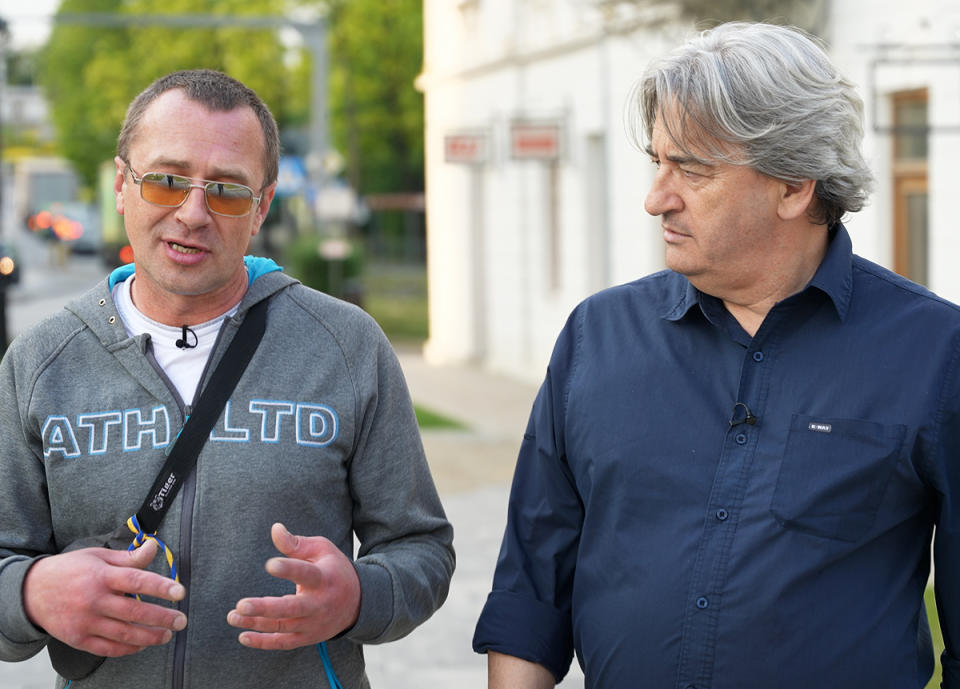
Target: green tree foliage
(91, 73)
(76, 115)
(376, 51)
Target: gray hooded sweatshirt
(319, 434)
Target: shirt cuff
(376, 603)
(18, 629)
(526, 628)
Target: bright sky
(28, 21)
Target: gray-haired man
(733, 469)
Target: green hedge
(339, 277)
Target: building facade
(534, 189)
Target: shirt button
(722, 514)
(758, 357)
(741, 438)
(702, 603)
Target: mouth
(183, 249)
(671, 234)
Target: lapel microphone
(748, 417)
(184, 342)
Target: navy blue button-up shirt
(693, 507)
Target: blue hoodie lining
(257, 266)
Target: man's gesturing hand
(327, 598)
(80, 598)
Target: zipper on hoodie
(188, 496)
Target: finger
(108, 648)
(305, 573)
(283, 540)
(157, 585)
(139, 558)
(299, 547)
(131, 610)
(273, 642)
(128, 635)
(143, 583)
(274, 607)
(268, 625)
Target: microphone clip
(747, 418)
(184, 342)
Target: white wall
(489, 61)
(914, 45)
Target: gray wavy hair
(763, 96)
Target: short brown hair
(216, 91)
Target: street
(48, 279)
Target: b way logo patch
(263, 421)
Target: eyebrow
(218, 173)
(679, 159)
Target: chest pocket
(833, 475)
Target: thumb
(298, 547)
(143, 556)
(283, 540)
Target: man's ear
(795, 199)
(264, 206)
(118, 183)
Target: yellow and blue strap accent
(140, 537)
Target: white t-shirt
(182, 365)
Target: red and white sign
(541, 140)
(466, 148)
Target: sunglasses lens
(229, 199)
(164, 190)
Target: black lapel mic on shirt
(183, 342)
(748, 417)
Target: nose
(194, 212)
(662, 197)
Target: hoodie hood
(256, 267)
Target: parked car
(74, 223)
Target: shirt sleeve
(528, 612)
(25, 531)
(947, 539)
(406, 558)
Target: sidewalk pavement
(472, 468)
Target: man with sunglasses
(317, 444)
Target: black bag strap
(186, 448)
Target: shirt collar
(834, 278)
(683, 297)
